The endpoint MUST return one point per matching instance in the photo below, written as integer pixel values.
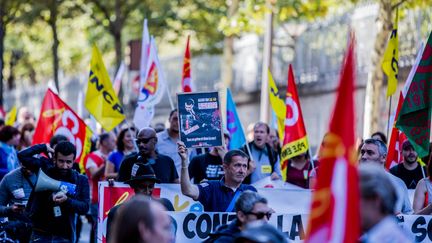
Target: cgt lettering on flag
(105, 94)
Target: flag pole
(388, 119)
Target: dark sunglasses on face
(144, 186)
(261, 215)
(143, 140)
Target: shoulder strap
(271, 156)
(233, 200)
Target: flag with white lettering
(295, 140)
(56, 117)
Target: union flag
(186, 77)
(56, 117)
(334, 215)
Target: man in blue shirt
(217, 196)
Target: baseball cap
(406, 144)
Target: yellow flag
(101, 100)
(11, 116)
(391, 59)
(277, 104)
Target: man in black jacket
(250, 207)
(53, 214)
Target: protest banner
(295, 138)
(193, 225)
(420, 226)
(101, 100)
(10, 117)
(415, 115)
(200, 119)
(196, 226)
(390, 60)
(335, 203)
(56, 117)
(186, 82)
(277, 104)
(234, 125)
(152, 86)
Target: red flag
(2, 112)
(56, 117)
(394, 155)
(295, 140)
(186, 78)
(334, 213)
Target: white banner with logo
(194, 225)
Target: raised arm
(187, 188)
(26, 156)
(419, 198)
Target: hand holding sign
(182, 151)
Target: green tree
(384, 21)
(116, 15)
(9, 10)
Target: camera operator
(53, 214)
(15, 189)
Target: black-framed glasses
(143, 140)
(261, 215)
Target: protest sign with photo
(200, 119)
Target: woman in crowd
(299, 170)
(125, 146)
(26, 133)
(423, 195)
(9, 139)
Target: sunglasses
(143, 186)
(143, 140)
(261, 215)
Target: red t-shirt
(96, 161)
(299, 177)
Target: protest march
(114, 173)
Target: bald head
(147, 132)
(146, 141)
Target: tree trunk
(53, 24)
(228, 50)
(375, 79)
(118, 48)
(2, 37)
(117, 34)
(16, 55)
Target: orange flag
(334, 215)
(186, 77)
(295, 140)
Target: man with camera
(53, 211)
(15, 189)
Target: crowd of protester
(219, 178)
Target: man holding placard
(217, 196)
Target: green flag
(415, 115)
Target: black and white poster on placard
(200, 120)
